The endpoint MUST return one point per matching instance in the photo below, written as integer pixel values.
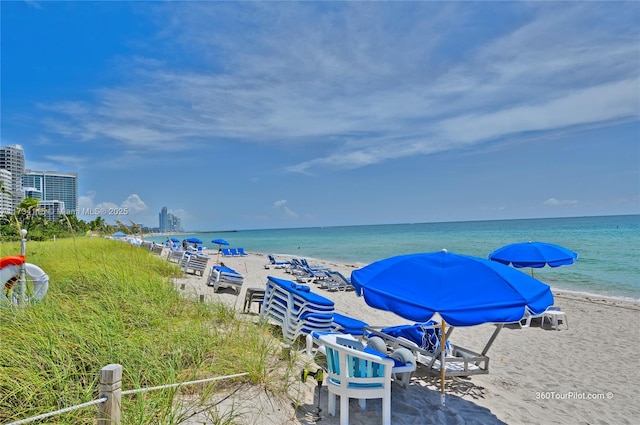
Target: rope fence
(59, 412)
(110, 395)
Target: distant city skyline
(168, 222)
(56, 192)
(252, 115)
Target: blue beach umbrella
(220, 242)
(463, 290)
(193, 240)
(533, 254)
(119, 234)
(176, 240)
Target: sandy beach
(587, 374)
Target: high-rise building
(163, 220)
(6, 198)
(168, 222)
(54, 186)
(51, 209)
(12, 160)
(173, 223)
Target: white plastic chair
(356, 374)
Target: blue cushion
(225, 270)
(347, 322)
(307, 296)
(303, 288)
(422, 334)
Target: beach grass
(111, 302)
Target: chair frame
(461, 362)
(196, 263)
(217, 279)
(356, 374)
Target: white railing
(110, 393)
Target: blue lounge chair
(338, 282)
(241, 252)
(226, 252)
(296, 309)
(278, 264)
(234, 252)
(221, 276)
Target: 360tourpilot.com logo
(572, 395)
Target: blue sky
(253, 115)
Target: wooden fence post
(111, 388)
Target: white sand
(537, 375)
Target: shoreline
(537, 374)
(350, 266)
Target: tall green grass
(110, 302)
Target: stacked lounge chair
(342, 324)
(175, 256)
(296, 309)
(221, 276)
(195, 262)
(157, 248)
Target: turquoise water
(608, 247)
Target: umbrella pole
(442, 365)
(531, 271)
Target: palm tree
(121, 227)
(26, 211)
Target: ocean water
(608, 247)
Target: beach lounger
(225, 252)
(552, 314)
(336, 281)
(278, 264)
(315, 267)
(459, 361)
(241, 252)
(221, 276)
(196, 263)
(175, 256)
(233, 252)
(342, 324)
(296, 309)
(306, 275)
(157, 248)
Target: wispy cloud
(288, 212)
(557, 202)
(359, 84)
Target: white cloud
(355, 88)
(288, 212)
(132, 209)
(86, 201)
(134, 204)
(616, 100)
(557, 202)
